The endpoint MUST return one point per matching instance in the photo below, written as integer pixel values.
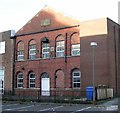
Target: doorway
(45, 85)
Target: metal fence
(69, 96)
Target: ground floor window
(31, 80)
(76, 79)
(20, 80)
(45, 80)
(2, 71)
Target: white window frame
(1, 86)
(76, 77)
(20, 55)
(45, 50)
(75, 51)
(20, 80)
(60, 48)
(2, 47)
(32, 51)
(31, 79)
(2, 72)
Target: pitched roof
(56, 18)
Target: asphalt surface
(111, 105)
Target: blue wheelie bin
(89, 93)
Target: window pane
(32, 85)
(20, 80)
(32, 80)
(32, 75)
(47, 55)
(60, 54)
(32, 51)
(76, 80)
(32, 47)
(20, 85)
(76, 74)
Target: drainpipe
(13, 36)
(115, 62)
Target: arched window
(75, 44)
(60, 46)
(20, 80)
(76, 79)
(32, 50)
(31, 80)
(20, 51)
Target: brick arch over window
(32, 41)
(32, 49)
(60, 46)
(60, 37)
(75, 44)
(59, 79)
(75, 38)
(44, 75)
(20, 50)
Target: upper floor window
(2, 47)
(60, 46)
(31, 80)
(1, 86)
(20, 51)
(32, 50)
(75, 44)
(76, 79)
(75, 50)
(20, 80)
(2, 69)
(45, 50)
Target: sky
(14, 14)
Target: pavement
(111, 105)
(108, 105)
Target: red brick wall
(104, 60)
(51, 65)
(114, 50)
(101, 61)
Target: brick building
(53, 52)
(6, 61)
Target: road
(58, 107)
